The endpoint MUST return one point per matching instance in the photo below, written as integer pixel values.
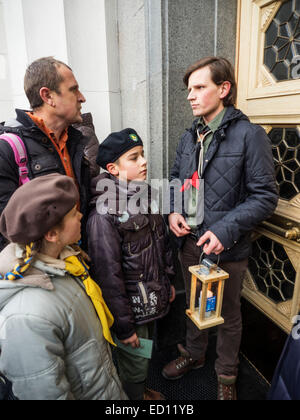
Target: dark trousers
(229, 333)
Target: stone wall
(189, 30)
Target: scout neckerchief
(77, 268)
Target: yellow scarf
(77, 268)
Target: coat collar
(42, 270)
(27, 124)
(231, 114)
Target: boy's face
(205, 97)
(130, 166)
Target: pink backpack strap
(18, 147)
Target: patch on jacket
(144, 304)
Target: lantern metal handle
(207, 262)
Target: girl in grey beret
(54, 323)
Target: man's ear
(52, 236)
(47, 96)
(112, 168)
(226, 86)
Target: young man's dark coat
(239, 176)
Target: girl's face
(70, 228)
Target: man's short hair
(42, 73)
(221, 71)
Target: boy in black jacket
(131, 258)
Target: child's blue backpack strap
(18, 147)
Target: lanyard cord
(201, 138)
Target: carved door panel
(268, 73)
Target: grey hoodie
(51, 341)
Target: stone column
(133, 67)
(91, 28)
(29, 36)
(6, 103)
(179, 32)
(83, 34)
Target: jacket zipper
(160, 268)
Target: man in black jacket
(52, 144)
(225, 166)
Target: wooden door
(268, 73)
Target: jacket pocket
(135, 248)
(230, 154)
(157, 226)
(135, 223)
(82, 368)
(149, 300)
(44, 164)
(136, 233)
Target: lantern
(212, 279)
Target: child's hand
(133, 341)
(173, 294)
